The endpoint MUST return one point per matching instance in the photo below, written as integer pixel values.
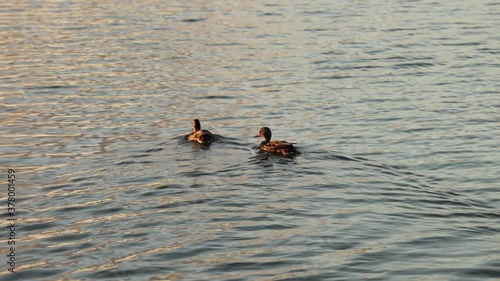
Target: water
(394, 105)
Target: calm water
(394, 105)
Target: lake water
(393, 104)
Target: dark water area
(393, 105)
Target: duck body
(278, 147)
(199, 135)
(275, 147)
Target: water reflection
(392, 104)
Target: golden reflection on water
(89, 86)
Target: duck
(199, 135)
(275, 147)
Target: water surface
(393, 105)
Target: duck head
(196, 125)
(265, 132)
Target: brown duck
(199, 135)
(276, 147)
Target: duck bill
(256, 136)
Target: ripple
(394, 115)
